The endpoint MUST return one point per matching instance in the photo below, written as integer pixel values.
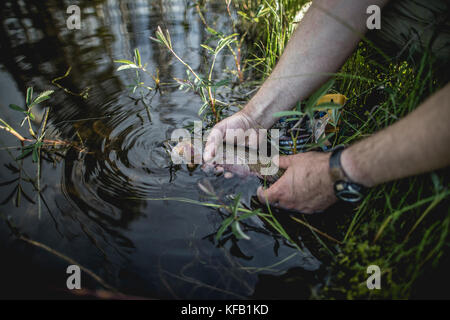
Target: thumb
(267, 195)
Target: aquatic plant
(83, 94)
(35, 146)
(233, 212)
(36, 143)
(137, 65)
(204, 86)
(144, 89)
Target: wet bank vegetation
(402, 226)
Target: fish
(187, 152)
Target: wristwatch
(344, 188)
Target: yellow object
(334, 98)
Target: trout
(244, 161)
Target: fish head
(184, 152)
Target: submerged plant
(83, 94)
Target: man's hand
(306, 185)
(239, 120)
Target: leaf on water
(16, 107)
(203, 107)
(124, 61)
(225, 225)
(236, 204)
(35, 155)
(38, 144)
(29, 95)
(31, 146)
(211, 50)
(32, 117)
(249, 214)
(43, 96)
(156, 40)
(161, 38)
(243, 14)
(225, 41)
(221, 83)
(212, 31)
(24, 154)
(237, 231)
(169, 41)
(46, 93)
(137, 56)
(127, 66)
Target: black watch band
(344, 188)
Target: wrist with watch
(344, 188)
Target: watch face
(347, 191)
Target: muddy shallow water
(159, 249)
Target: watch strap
(335, 165)
(344, 188)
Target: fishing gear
(300, 134)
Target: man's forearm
(417, 143)
(326, 36)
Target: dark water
(160, 249)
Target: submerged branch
(69, 260)
(14, 133)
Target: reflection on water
(152, 248)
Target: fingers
(264, 195)
(213, 140)
(272, 194)
(285, 161)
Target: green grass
(267, 26)
(401, 226)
